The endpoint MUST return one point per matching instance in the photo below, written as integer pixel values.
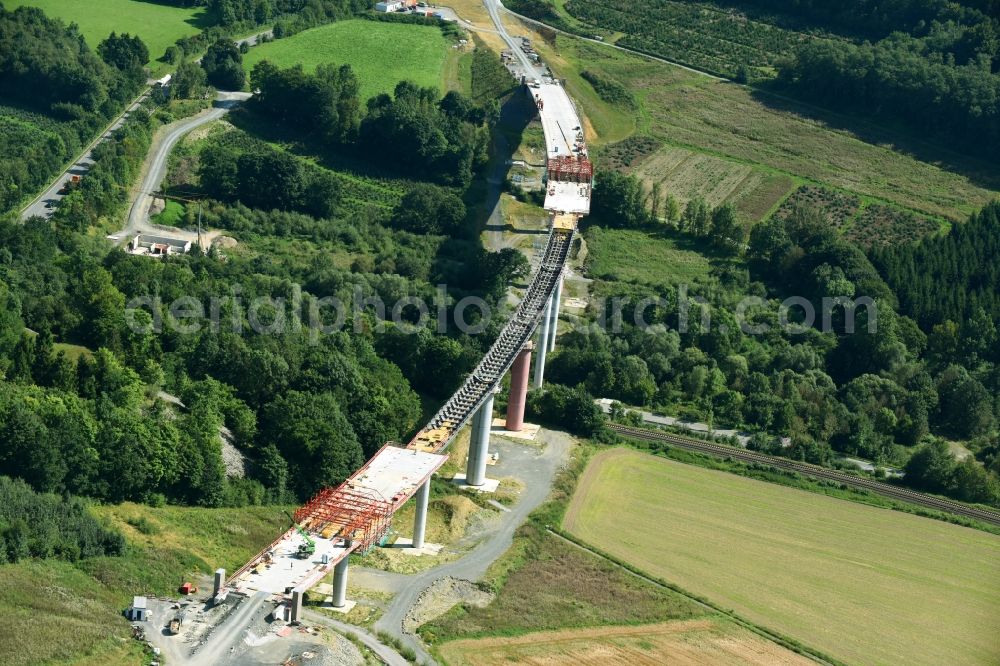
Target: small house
(137, 612)
(389, 6)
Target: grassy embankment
(827, 572)
(60, 612)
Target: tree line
(622, 200)
(886, 394)
(876, 18)
(945, 280)
(413, 130)
(45, 525)
(899, 80)
(48, 68)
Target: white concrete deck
(560, 121)
(286, 570)
(395, 473)
(566, 197)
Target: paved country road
(155, 168)
(48, 200)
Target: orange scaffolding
(570, 169)
(358, 515)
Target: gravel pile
(440, 597)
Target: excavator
(309, 547)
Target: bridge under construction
(356, 515)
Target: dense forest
(414, 130)
(938, 85)
(104, 401)
(44, 525)
(61, 93)
(881, 394)
(946, 280)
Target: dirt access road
(155, 166)
(536, 469)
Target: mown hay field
(381, 54)
(159, 25)
(680, 643)
(862, 584)
(645, 257)
(687, 174)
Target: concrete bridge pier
(218, 582)
(340, 583)
(420, 516)
(479, 446)
(518, 389)
(543, 342)
(554, 319)
(298, 594)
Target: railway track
(885, 489)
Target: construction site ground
(239, 632)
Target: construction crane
(309, 547)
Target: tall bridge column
(298, 594)
(479, 447)
(420, 517)
(554, 319)
(543, 343)
(518, 389)
(340, 583)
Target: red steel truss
(570, 169)
(356, 514)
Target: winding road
(537, 470)
(48, 200)
(155, 167)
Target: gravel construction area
(440, 597)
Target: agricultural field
(417, 53)
(865, 223)
(653, 258)
(705, 36)
(838, 208)
(688, 174)
(685, 642)
(847, 579)
(885, 225)
(158, 25)
(679, 109)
